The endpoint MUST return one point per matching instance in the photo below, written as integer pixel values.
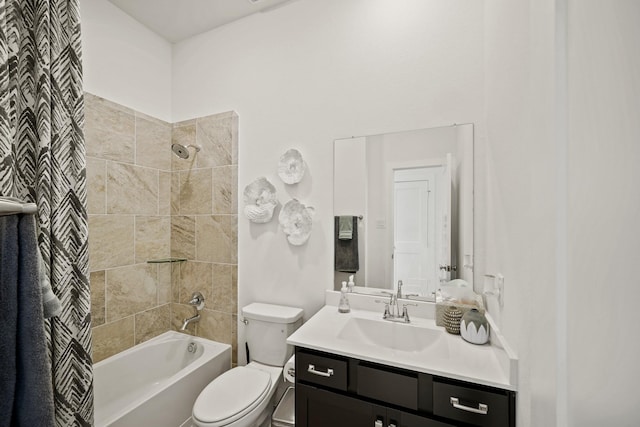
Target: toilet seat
(231, 396)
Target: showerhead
(182, 151)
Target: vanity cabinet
(338, 391)
(317, 407)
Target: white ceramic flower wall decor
(260, 200)
(291, 167)
(296, 220)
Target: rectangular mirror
(409, 199)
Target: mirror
(410, 198)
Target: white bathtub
(156, 383)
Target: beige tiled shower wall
(145, 204)
(204, 226)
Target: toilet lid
(231, 395)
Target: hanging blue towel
(8, 314)
(26, 391)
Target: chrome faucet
(197, 301)
(392, 309)
(188, 320)
(399, 295)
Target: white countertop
(488, 364)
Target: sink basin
(395, 336)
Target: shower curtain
(42, 160)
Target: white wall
(124, 61)
(464, 208)
(603, 210)
(313, 71)
(517, 221)
(562, 170)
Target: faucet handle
(405, 312)
(197, 300)
(391, 296)
(386, 313)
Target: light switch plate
(499, 285)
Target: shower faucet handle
(197, 300)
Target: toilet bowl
(238, 398)
(244, 396)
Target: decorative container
(474, 327)
(452, 317)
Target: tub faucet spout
(197, 302)
(189, 320)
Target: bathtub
(156, 383)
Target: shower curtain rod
(11, 206)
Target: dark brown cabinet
(339, 391)
(316, 407)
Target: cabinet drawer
(470, 405)
(323, 370)
(388, 386)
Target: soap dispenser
(344, 307)
(351, 283)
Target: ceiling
(176, 20)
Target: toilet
(244, 396)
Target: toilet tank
(268, 327)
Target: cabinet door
(395, 418)
(321, 408)
(410, 420)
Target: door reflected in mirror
(414, 192)
(418, 214)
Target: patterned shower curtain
(42, 160)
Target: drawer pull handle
(482, 409)
(312, 370)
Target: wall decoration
(296, 221)
(260, 200)
(291, 167)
